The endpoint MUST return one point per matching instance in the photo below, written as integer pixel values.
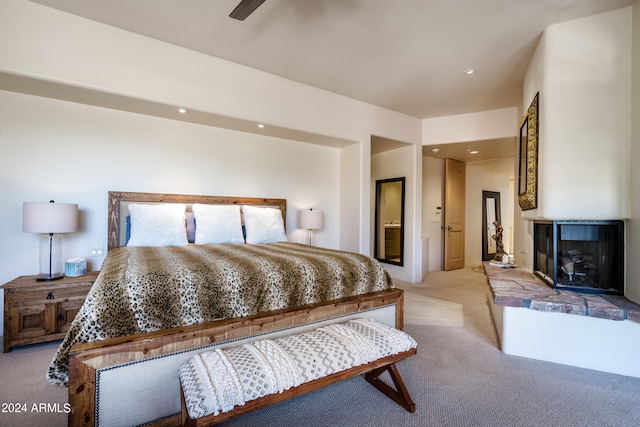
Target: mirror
(490, 217)
(389, 221)
(522, 169)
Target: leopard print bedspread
(144, 289)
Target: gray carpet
(24, 388)
(458, 378)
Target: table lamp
(310, 220)
(49, 219)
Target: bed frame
(133, 380)
(118, 208)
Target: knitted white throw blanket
(217, 380)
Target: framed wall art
(528, 155)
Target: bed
(156, 304)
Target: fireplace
(583, 256)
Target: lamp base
(47, 277)
(51, 265)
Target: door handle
(449, 228)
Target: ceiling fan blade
(245, 8)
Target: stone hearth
(513, 287)
(593, 331)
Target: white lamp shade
(40, 217)
(311, 220)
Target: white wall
(393, 164)
(432, 199)
(350, 200)
(74, 153)
(632, 290)
(473, 215)
(584, 118)
(480, 126)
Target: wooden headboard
(119, 200)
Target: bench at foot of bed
(222, 384)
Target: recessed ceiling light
(260, 125)
(474, 152)
(469, 71)
(182, 111)
(435, 150)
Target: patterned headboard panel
(119, 201)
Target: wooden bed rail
(86, 358)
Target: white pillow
(158, 225)
(217, 224)
(263, 225)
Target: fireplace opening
(583, 256)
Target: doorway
(495, 175)
(454, 214)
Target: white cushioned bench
(223, 383)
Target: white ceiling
(403, 55)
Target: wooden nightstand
(37, 312)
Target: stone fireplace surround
(594, 331)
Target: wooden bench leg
(400, 395)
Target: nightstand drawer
(18, 296)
